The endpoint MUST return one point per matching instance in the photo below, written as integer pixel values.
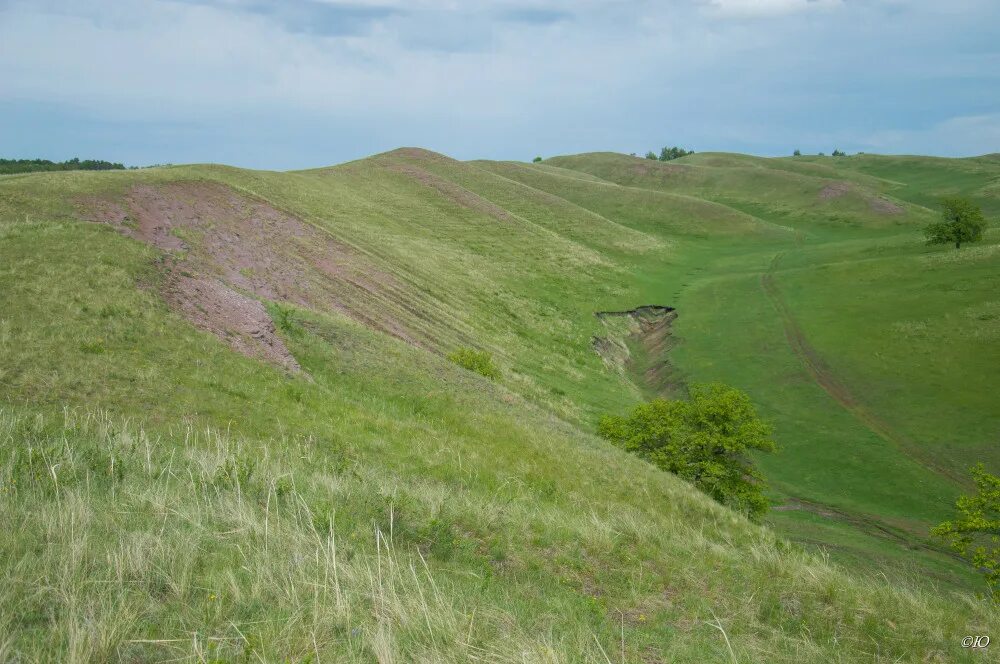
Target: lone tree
(706, 440)
(975, 534)
(536, 160)
(961, 221)
(651, 155)
(797, 153)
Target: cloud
(308, 82)
(764, 8)
(309, 16)
(535, 15)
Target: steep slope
(229, 430)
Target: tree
(706, 440)
(839, 153)
(961, 221)
(975, 534)
(797, 153)
(669, 154)
(536, 160)
(651, 155)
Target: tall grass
(199, 547)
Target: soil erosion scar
(226, 254)
(825, 378)
(638, 340)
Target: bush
(479, 361)
(536, 160)
(706, 440)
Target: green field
(230, 431)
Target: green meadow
(230, 430)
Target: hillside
(230, 429)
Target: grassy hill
(230, 431)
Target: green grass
(179, 500)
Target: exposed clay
(884, 206)
(834, 190)
(228, 249)
(649, 327)
(876, 203)
(236, 318)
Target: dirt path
(825, 378)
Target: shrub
(706, 440)
(479, 361)
(536, 160)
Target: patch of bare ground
(834, 190)
(229, 251)
(875, 202)
(649, 333)
(884, 205)
(453, 192)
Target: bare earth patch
(648, 328)
(884, 206)
(834, 190)
(876, 203)
(230, 251)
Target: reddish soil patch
(834, 190)
(236, 318)
(231, 251)
(884, 206)
(454, 192)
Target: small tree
(975, 534)
(797, 153)
(536, 160)
(706, 440)
(651, 155)
(961, 221)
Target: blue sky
(301, 83)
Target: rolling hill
(230, 429)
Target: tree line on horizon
(8, 166)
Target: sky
(289, 84)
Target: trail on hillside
(824, 376)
